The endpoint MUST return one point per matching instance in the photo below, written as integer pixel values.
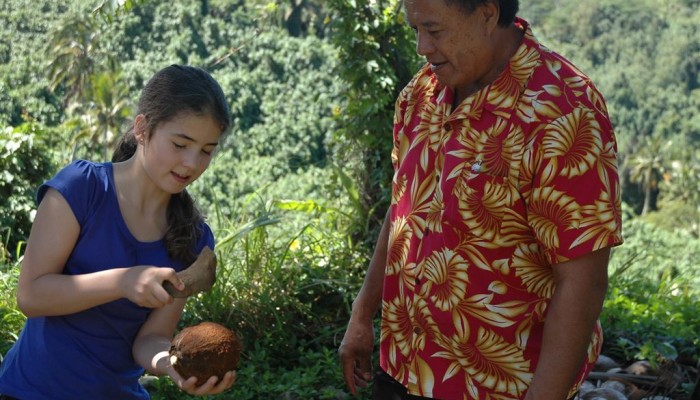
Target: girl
(105, 238)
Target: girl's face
(178, 151)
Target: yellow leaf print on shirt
(505, 90)
(423, 320)
(480, 307)
(446, 279)
(608, 164)
(514, 228)
(419, 94)
(496, 152)
(398, 188)
(550, 209)
(426, 201)
(534, 109)
(435, 210)
(572, 144)
(429, 134)
(481, 211)
(424, 385)
(602, 217)
(532, 268)
(397, 327)
(490, 361)
(399, 244)
(408, 325)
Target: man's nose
(424, 45)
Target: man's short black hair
(509, 8)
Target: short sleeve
(574, 207)
(78, 183)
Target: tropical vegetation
(298, 192)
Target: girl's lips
(179, 178)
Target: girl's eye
(178, 146)
(207, 152)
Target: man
(491, 265)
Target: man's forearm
(571, 318)
(369, 298)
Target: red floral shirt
(486, 198)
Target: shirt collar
(501, 96)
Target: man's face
(459, 46)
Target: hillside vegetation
(297, 195)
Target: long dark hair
(170, 92)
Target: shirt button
(417, 330)
(447, 126)
(417, 281)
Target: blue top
(88, 355)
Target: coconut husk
(205, 350)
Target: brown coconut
(198, 277)
(205, 350)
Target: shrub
(24, 164)
(11, 319)
(651, 308)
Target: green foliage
(311, 85)
(281, 289)
(315, 376)
(645, 320)
(651, 309)
(98, 121)
(11, 319)
(377, 59)
(25, 163)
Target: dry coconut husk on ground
(670, 380)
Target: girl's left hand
(213, 385)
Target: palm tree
(682, 185)
(73, 50)
(647, 166)
(105, 111)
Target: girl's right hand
(143, 285)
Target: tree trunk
(647, 192)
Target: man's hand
(355, 354)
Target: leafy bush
(11, 319)
(651, 309)
(279, 288)
(24, 164)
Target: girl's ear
(140, 128)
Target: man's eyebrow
(187, 137)
(424, 24)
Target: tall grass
(286, 278)
(11, 319)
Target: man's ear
(490, 11)
(140, 128)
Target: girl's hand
(143, 285)
(213, 385)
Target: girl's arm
(44, 291)
(152, 351)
